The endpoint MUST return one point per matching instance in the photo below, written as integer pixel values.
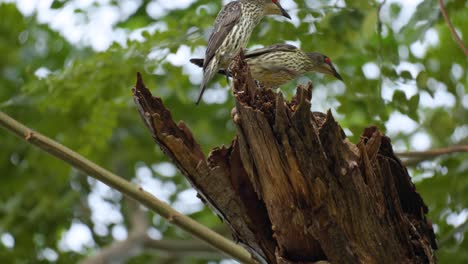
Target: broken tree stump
(292, 188)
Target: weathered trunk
(292, 188)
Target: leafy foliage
(84, 101)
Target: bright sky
(98, 32)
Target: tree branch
(119, 251)
(130, 190)
(180, 248)
(434, 152)
(413, 158)
(460, 229)
(138, 240)
(451, 28)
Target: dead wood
(292, 188)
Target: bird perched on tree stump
(278, 64)
(233, 27)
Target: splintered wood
(292, 188)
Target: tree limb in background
(128, 189)
(459, 229)
(119, 251)
(138, 240)
(451, 28)
(182, 248)
(416, 157)
(434, 152)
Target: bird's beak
(283, 12)
(330, 69)
(336, 74)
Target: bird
(278, 64)
(232, 29)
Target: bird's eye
(327, 60)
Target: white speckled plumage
(233, 27)
(278, 64)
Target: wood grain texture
(292, 188)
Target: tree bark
(292, 188)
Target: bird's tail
(202, 90)
(208, 74)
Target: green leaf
(413, 104)
(406, 75)
(399, 97)
(57, 4)
(86, 103)
(395, 9)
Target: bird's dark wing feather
(198, 62)
(224, 23)
(277, 47)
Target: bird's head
(273, 7)
(321, 63)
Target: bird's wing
(224, 23)
(281, 69)
(272, 48)
(197, 61)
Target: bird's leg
(227, 76)
(228, 73)
(258, 84)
